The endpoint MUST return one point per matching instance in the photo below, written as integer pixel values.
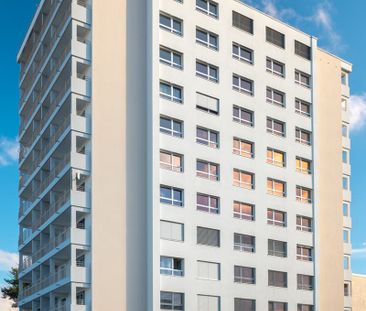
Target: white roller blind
(208, 270)
(208, 303)
(171, 231)
(207, 102)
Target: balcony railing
(41, 33)
(46, 84)
(60, 238)
(54, 38)
(45, 215)
(59, 275)
(44, 150)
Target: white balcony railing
(60, 274)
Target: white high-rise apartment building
(181, 155)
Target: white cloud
(321, 17)
(8, 260)
(359, 252)
(8, 151)
(357, 106)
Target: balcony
(60, 275)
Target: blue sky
(336, 23)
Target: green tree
(12, 289)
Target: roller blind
(206, 236)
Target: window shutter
(171, 231)
(242, 22)
(206, 236)
(302, 50)
(208, 102)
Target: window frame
(172, 304)
(271, 100)
(300, 226)
(241, 120)
(172, 201)
(209, 35)
(207, 11)
(244, 247)
(271, 68)
(172, 271)
(300, 198)
(275, 251)
(273, 221)
(242, 152)
(171, 27)
(239, 87)
(172, 53)
(301, 256)
(241, 184)
(299, 110)
(301, 285)
(244, 18)
(299, 75)
(209, 208)
(242, 215)
(272, 160)
(170, 166)
(208, 142)
(275, 283)
(173, 87)
(300, 168)
(273, 191)
(298, 136)
(171, 131)
(272, 40)
(209, 68)
(241, 277)
(239, 56)
(208, 175)
(272, 130)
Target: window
(345, 207)
(277, 248)
(302, 50)
(302, 78)
(171, 92)
(244, 275)
(344, 130)
(304, 282)
(303, 136)
(346, 262)
(80, 298)
(171, 196)
(345, 156)
(207, 137)
(303, 195)
(302, 107)
(207, 170)
(277, 278)
(207, 236)
(207, 103)
(346, 235)
(344, 104)
(208, 270)
(243, 53)
(243, 179)
(243, 148)
(171, 231)
(276, 187)
(208, 303)
(276, 157)
(344, 78)
(80, 261)
(207, 71)
(171, 58)
(275, 37)
(171, 266)
(302, 307)
(244, 304)
(171, 127)
(304, 253)
(242, 22)
(276, 127)
(276, 97)
(171, 161)
(243, 116)
(276, 218)
(303, 165)
(275, 67)
(243, 85)
(345, 182)
(208, 7)
(172, 24)
(207, 38)
(304, 223)
(277, 306)
(244, 211)
(244, 243)
(347, 289)
(171, 301)
(208, 203)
